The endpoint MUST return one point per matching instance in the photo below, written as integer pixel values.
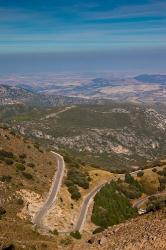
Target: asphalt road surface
(84, 209)
(140, 202)
(56, 184)
(88, 199)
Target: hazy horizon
(51, 36)
(128, 62)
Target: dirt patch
(32, 203)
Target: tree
(76, 235)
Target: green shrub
(8, 161)
(69, 183)
(162, 181)
(22, 161)
(20, 166)
(140, 173)
(130, 180)
(78, 178)
(66, 241)
(36, 145)
(27, 175)
(131, 192)
(2, 211)
(76, 235)
(161, 187)
(75, 194)
(2, 158)
(55, 232)
(67, 158)
(162, 172)
(12, 132)
(6, 154)
(111, 207)
(5, 178)
(155, 204)
(98, 230)
(22, 156)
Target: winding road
(55, 187)
(84, 209)
(88, 199)
(140, 202)
(56, 184)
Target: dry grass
(11, 227)
(150, 181)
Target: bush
(78, 178)
(5, 178)
(98, 230)
(22, 156)
(163, 172)
(7, 154)
(161, 187)
(20, 166)
(20, 201)
(162, 181)
(2, 158)
(22, 161)
(27, 175)
(8, 247)
(128, 190)
(130, 180)
(31, 165)
(67, 158)
(140, 173)
(36, 145)
(12, 132)
(155, 204)
(66, 241)
(2, 211)
(55, 232)
(75, 194)
(76, 235)
(69, 183)
(8, 161)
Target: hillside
(113, 136)
(12, 95)
(143, 233)
(26, 174)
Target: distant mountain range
(10, 95)
(160, 79)
(14, 95)
(76, 89)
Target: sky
(90, 34)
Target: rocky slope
(146, 232)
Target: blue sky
(54, 25)
(62, 26)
